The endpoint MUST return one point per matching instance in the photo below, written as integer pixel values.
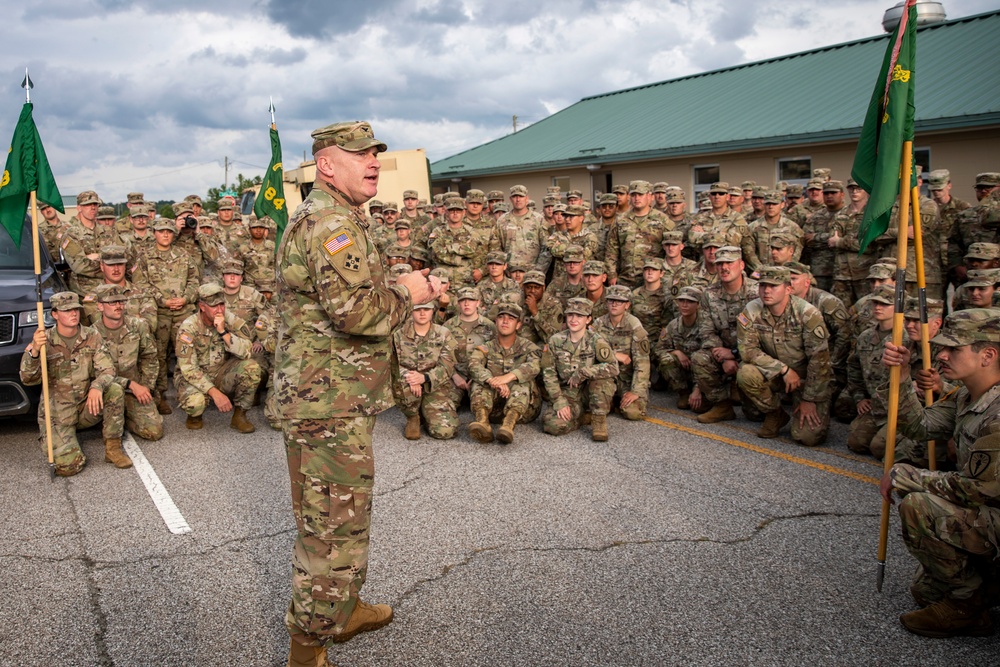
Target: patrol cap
(402, 223)
(983, 277)
(430, 305)
(211, 294)
(653, 263)
(467, 293)
(410, 194)
(982, 250)
(233, 265)
(938, 179)
(729, 253)
(139, 211)
(881, 272)
(890, 260)
(135, 198)
(573, 253)
(109, 293)
(965, 327)
(719, 187)
(205, 222)
(263, 221)
(608, 198)
(689, 293)
(620, 189)
(225, 205)
(673, 237)
(748, 185)
(821, 173)
(399, 270)
(377, 203)
(851, 183)
(736, 191)
(550, 200)
(442, 274)
(714, 241)
(496, 257)
(507, 307)
(65, 301)
(618, 293)
(639, 187)
(814, 184)
(575, 306)
(793, 190)
(106, 213)
(561, 208)
(42, 205)
(573, 210)
(912, 310)
(884, 294)
(390, 206)
(675, 196)
(518, 191)
(114, 254)
(553, 190)
(760, 191)
(514, 268)
(182, 207)
(574, 194)
(988, 178)
(781, 241)
(87, 197)
(193, 199)
(355, 136)
(660, 186)
(396, 250)
(501, 207)
(833, 186)
(797, 268)
(418, 253)
(592, 267)
(494, 195)
(163, 224)
(537, 277)
(773, 275)
(453, 203)
(475, 197)
(781, 186)
(773, 197)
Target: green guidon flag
(270, 200)
(888, 125)
(27, 170)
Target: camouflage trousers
(238, 379)
(709, 376)
(825, 283)
(593, 396)
(143, 420)
(849, 291)
(766, 397)
(950, 544)
(867, 434)
(438, 407)
(332, 471)
(67, 418)
(680, 379)
(525, 399)
(167, 324)
(637, 410)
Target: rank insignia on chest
(337, 242)
(352, 262)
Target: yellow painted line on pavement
(768, 452)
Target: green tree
(239, 185)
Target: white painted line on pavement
(164, 503)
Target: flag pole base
(879, 575)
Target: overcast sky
(152, 96)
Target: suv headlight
(29, 318)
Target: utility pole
(515, 123)
(225, 183)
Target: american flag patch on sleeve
(337, 242)
(742, 319)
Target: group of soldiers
(146, 292)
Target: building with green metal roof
(764, 121)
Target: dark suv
(19, 318)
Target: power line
(144, 178)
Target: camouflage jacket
(968, 228)
(258, 264)
(432, 354)
(866, 376)
(334, 351)
(731, 225)
(632, 241)
(52, 235)
(760, 234)
(678, 336)
(557, 242)
(933, 238)
(650, 307)
(523, 238)
(817, 253)
(848, 264)
(80, 241)
(801, 213)
(628, 338)
(590, 359)
(798, 338)
(139, 304)
(455, 247)
(247, 304)
(233, 237)
(721, 310)
(491, 360)
(491, 293)
(72, 371)
(133, 351)
(467, 335)
(838, 324)
(201, 351)
(172, 274)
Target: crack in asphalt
(758, 529)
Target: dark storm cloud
(318, 18)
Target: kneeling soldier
(579, 370)
(503, 375)
(631, 344)
(214, 362)
(82, 386)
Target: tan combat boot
(307, 656)
(720, 412)
(365, 618)
(193, 423)
(240, 423)
(773, 423)
(162, 406)
(683, 400)
(505, 434)
(412, 429)
(599, 426)
(950, 618)
(585, 419)
(480, 429)
(113, 453)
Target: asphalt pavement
(672, 544)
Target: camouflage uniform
(558, 242)
(468, 335)
(491, 360)
(432, 354)
(632, 240)
(933, 238)
(760, 233)
(729, 226)
(73, 372)
(337, 316)
(818, 254)
(52, 236)
(523, 238)
(678, 336)
(592, 362)
(258, 264)
(79, 241)
(850, 273)
(454, 249)
(631, 339)
(490, 293)
(796, 339)
(650, 308)
(969, 226)
(234, 237)
(172, 274)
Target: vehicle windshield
(13, 257)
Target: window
(704, 176)
(795, 170)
